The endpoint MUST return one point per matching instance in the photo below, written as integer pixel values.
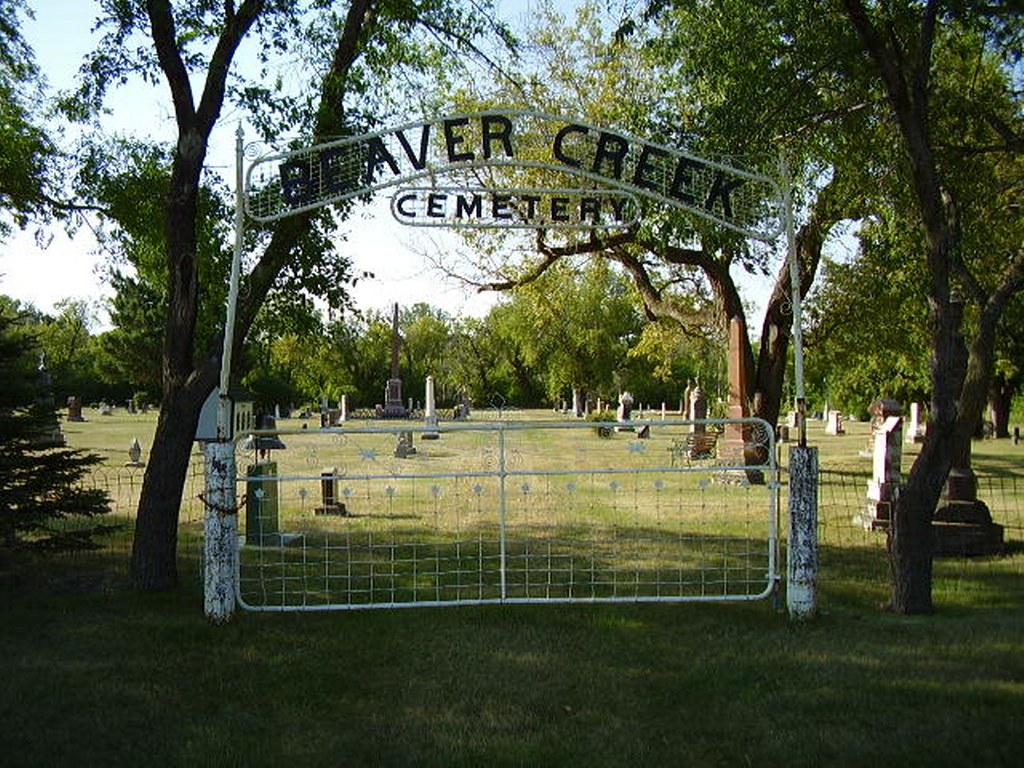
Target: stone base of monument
(332, 509)
(878, 511)
(404, 447)
(735, 452)
(874, 518)
(965, 529)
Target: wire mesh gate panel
(388, 514)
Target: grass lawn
(98, 675)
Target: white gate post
(802, 553)
(220, 535)
(220, 542)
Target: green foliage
(26, 151)
(42, 499)
(69, 346)
(130, 351)
(576, 326)
(868, 338)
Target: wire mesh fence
(123, 486)
(566, 498)
(508, 512)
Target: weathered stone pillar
(802, 554)
(220, 540)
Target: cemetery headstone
(394, 408)
(264, 444)
(262, 517)
(880, 410)
(625, 411)
(430, 413)
(329, 494)
(834, 423)
(915, 429)
(50, 436)
(698, 411)
(404, 447)
(75, 409)
(734, 437)
(963, 524)
(135, 454)
(884, 485)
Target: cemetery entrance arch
(589, 178)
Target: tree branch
(531, 276)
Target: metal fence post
(802, 553)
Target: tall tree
(687, 271)
(40, 480)
(350, 47)
(905, 45)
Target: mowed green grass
(126, 679)
(98, 675)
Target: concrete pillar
(802, 554)
(220, 540)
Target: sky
(70, 268)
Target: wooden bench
(694, 447)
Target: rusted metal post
(802, 554)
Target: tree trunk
(911, 538)
(154, 549)
(777, 328)
(1001, 395)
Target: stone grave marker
(75, 409)
(915, 429)
(625, 411)
(834, 423)
(698, 410)
(430, 413)
(329, 494)
(135, 454)
(883, 488)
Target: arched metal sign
(526, 146)
(549, 172)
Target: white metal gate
(386, 514)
